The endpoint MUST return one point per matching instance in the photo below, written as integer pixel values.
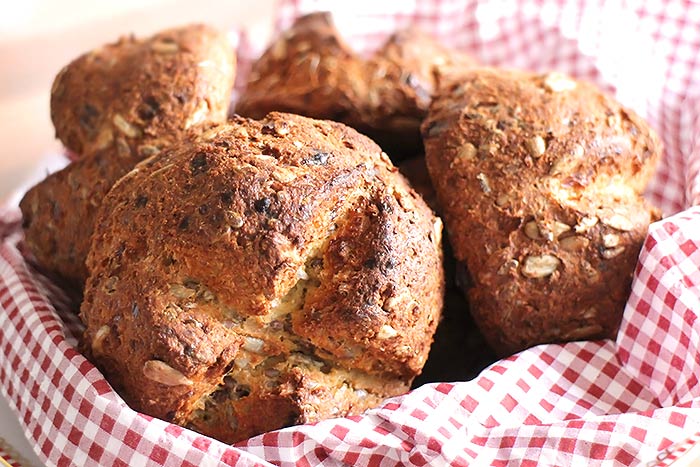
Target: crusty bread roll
(268, 273)
(136, 92)
(113, 107)
(539, 179)
(310, 71)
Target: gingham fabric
(609, 402)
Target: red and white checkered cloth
(620, 401)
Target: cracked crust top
(539, 178)
(269, 273)
(309, 70)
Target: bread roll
(113, 107)
(539, 179)
(310, 71)
(269, 273)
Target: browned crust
(115, 106)
(59, 212)
(309, 70)
(290, 230)
(135, 92)
(540, 179)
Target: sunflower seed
(125, 127)
(584, 332)
(536, 146)
(611, 240)
(164, 374)
(99, 338)
(302, 275)
(180, 291)
(253, 344)
(467, 151)
(241, 362)
(532, 230)
(387, 332)
(618, 222)
(585, 224)
(147, 150)
(502, 200)
(540, 266)
(612, 252)
(590, 313)
(573, 243)
(557, 228)
(558, 82)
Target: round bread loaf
(114, 107)
(310, 71)
(268, 273)
(539, 179)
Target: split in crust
(264, 274)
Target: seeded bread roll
(539, 179)
(114, 107)
(133, 93)
(310, 71)
(269, 273)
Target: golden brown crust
(133, 93)
(59, 212)
(281, 268)
(309, 70)
(115, 106)
(540, 179)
